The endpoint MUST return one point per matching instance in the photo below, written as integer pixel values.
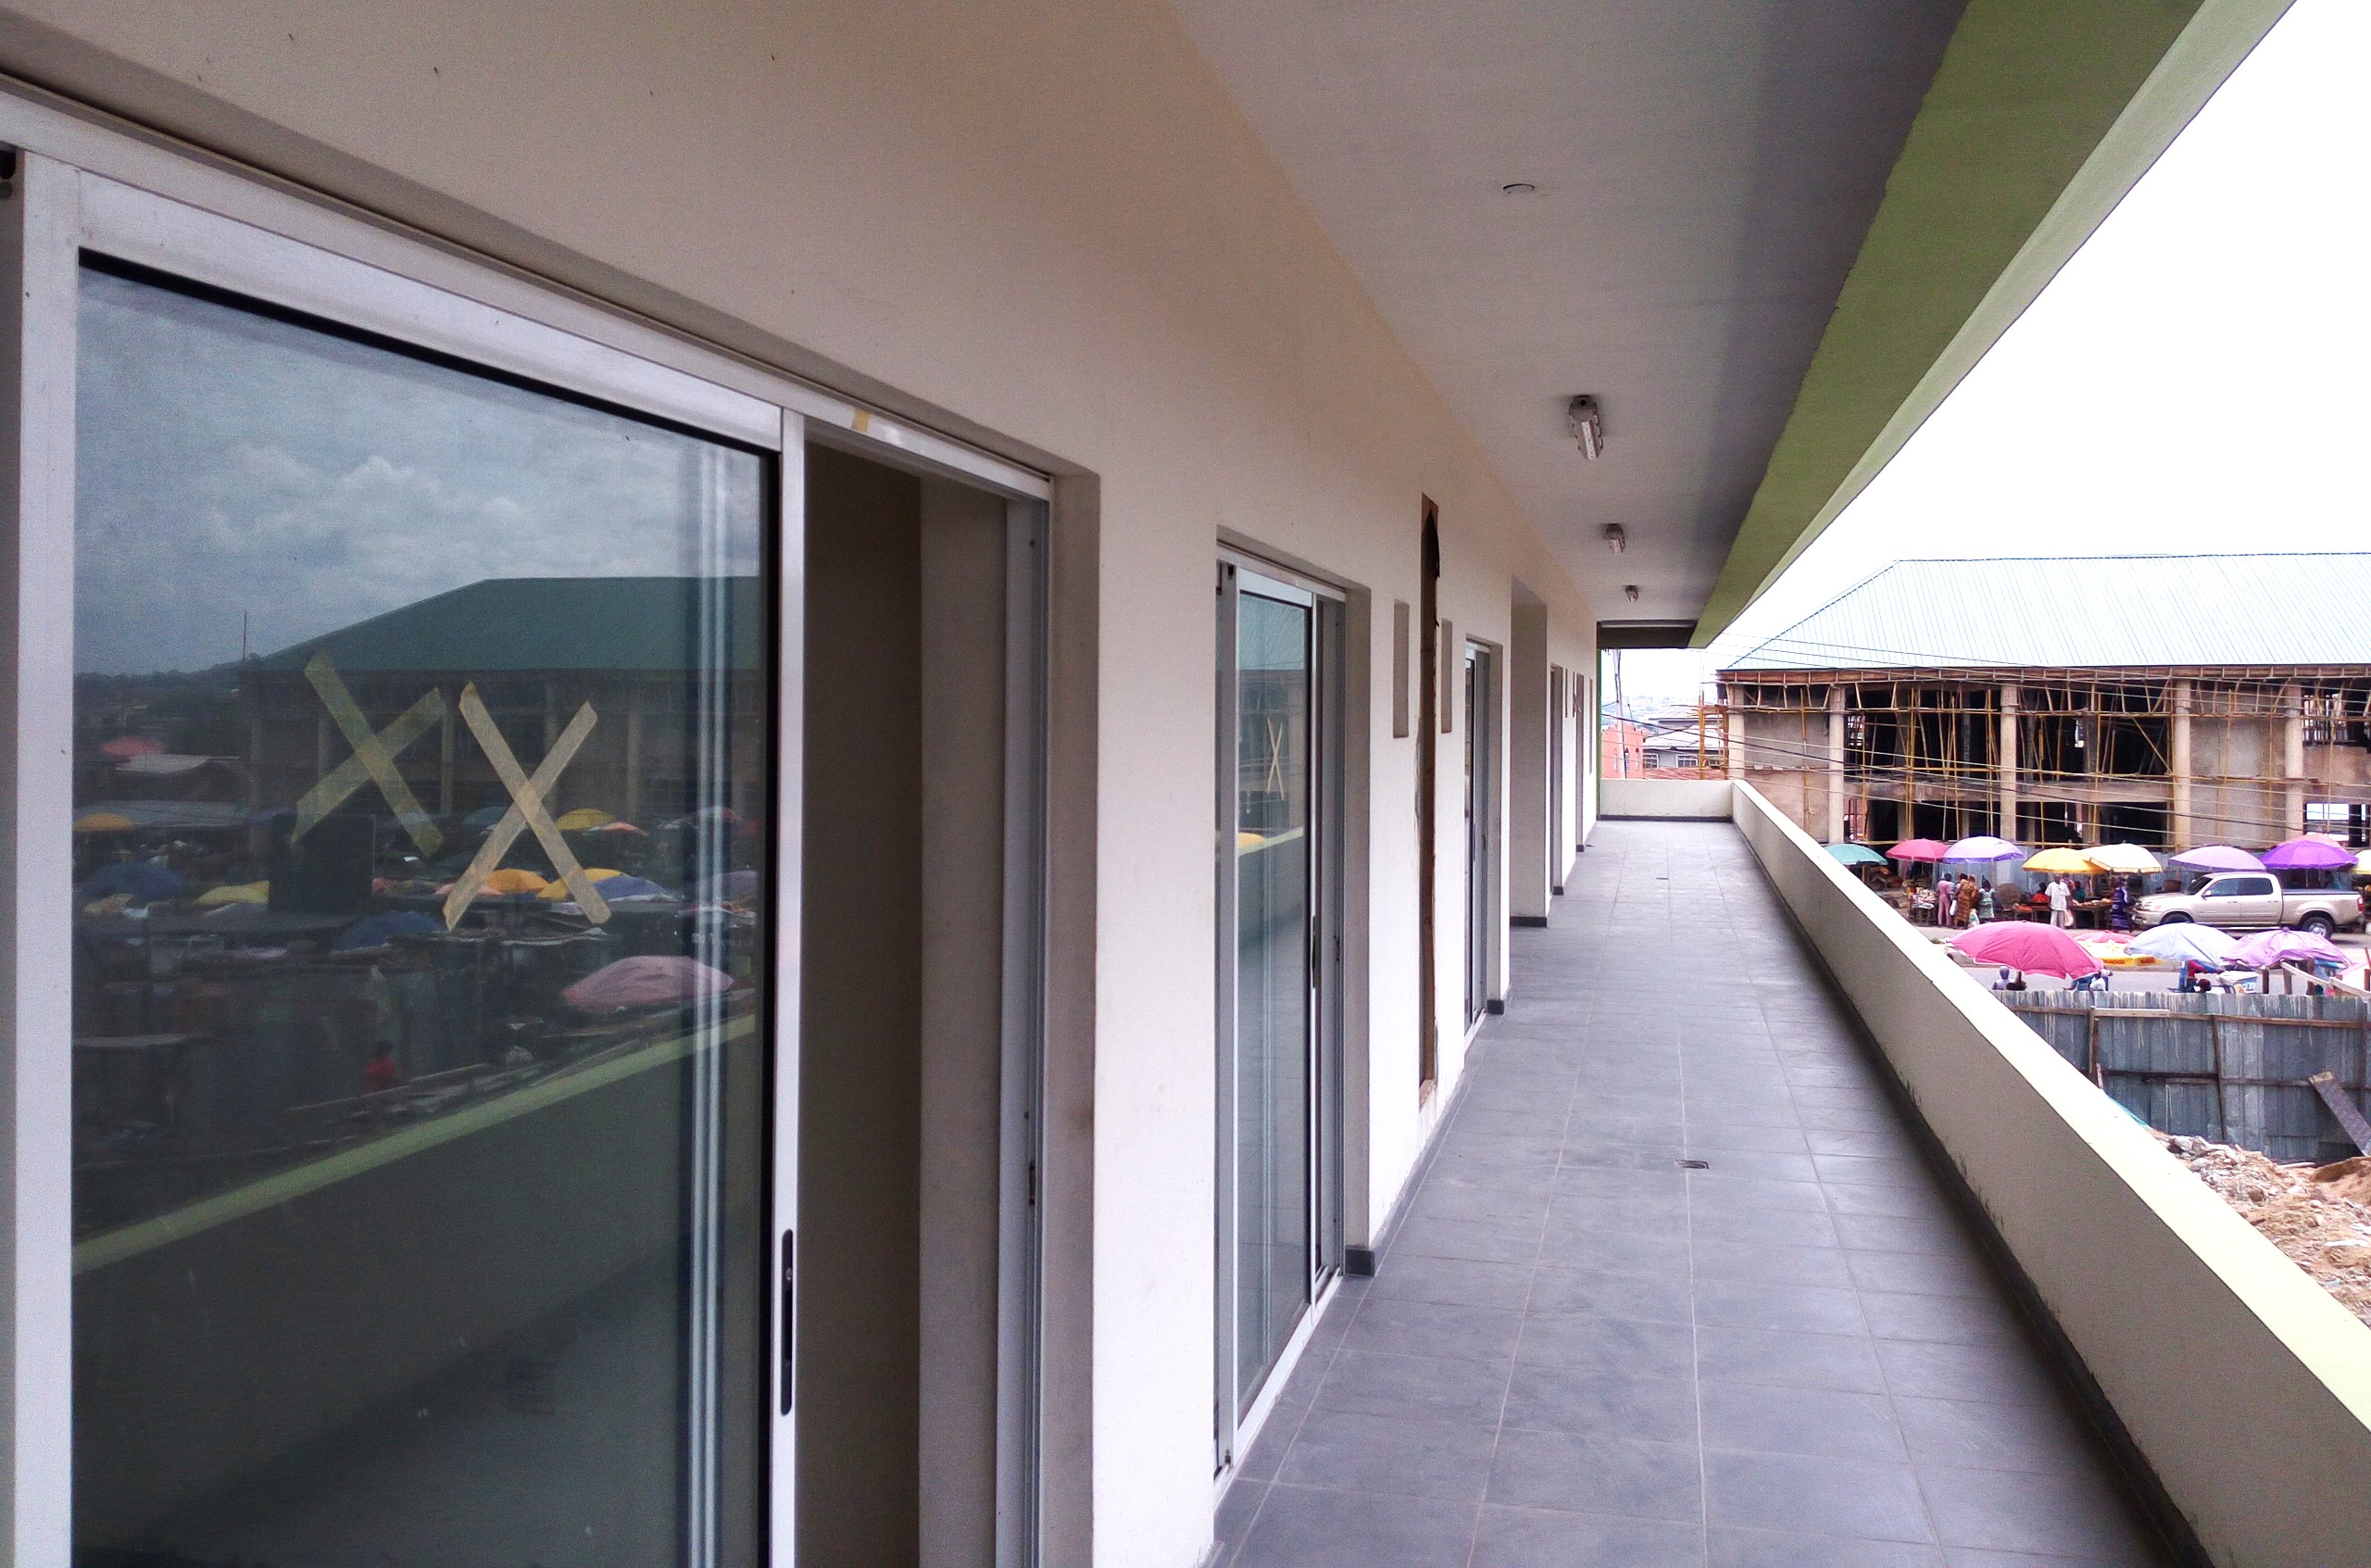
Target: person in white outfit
(2062, 899)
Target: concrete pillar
(2179, 828)
(1836, 764)
(2005, 760)
(1530, 875)
(2293, 760)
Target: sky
(238, 473)
(2191, 381)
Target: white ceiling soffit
(1705, 173)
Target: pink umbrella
(2037, 949)
(124, 746)
(2267, 948)
(645, 981)
(1919, 849)
(2218, 857)
(2306, 855)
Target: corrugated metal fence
(2230, 1067)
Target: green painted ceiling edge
(2042, 115)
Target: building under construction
(2167, 700)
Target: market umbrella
(125, 746)
(2022, 945)
(2186, 942)
(1850, 854)
(647, 980)
(379, 930)
(1983, 848)
(2218, 857)
(2266, 948)
(144, 880)
(585, 819)
(103, 821)
(2306, 855)
(2362, 864)
(2125, 859)
(1919, 849)
(2062, 862)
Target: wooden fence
(2232, 1068)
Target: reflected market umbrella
(2186, 942)
(377, 930)
(2035, 949)
(2218, 857)
(2306, 855)
(2061, 862)
(1919, 849)
(1983, 848)
(1850, 854)
(144, 880)
(2125, 859)
(647, 980)
(2266, 948)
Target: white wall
(1703, 798)
(1035, 223)
(2245, 1385)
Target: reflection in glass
(1272, 1089)
(421, 781)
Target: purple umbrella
(2306, 855)
(2218, 857)
(1984, 847)
(2266, 948)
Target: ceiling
(1705, 175)
(1768, 235)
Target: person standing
(2062, 901)
(1963, 901)
(2120, 905)
(1983, 907)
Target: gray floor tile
(1413, 1277)
(1803, 1308)
(1711, 1189)
(1414, 1386)
(1836, 1496)
(1921, 1273)
(2057, 1514)
(1786, 1227)
(1823, 1423)
(1759, 1166)
(1608, 1344)
(1427, 1328)
(1713, 1141)
(1869, 1171)
(1946, 1320)
(1965, 1435)
(1500, 1240)
(1987, 1374)
(1531, 1538)
(1235, 1512)
(1729, 1547)
(1315, 1527)
(1896, 1233)
(1575, 1475)
(1576, 1239)
(1438, 1456)
(1789, 1361)
(1615, 1403)
(1718, 1258)
(1597, 1293)
(1851, 1198)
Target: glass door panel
(1275, 1098)
(1481, 800)
(421, 771)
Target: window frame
(77, 187)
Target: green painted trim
(281, 1187)
(2042, 115)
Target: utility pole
(1621, 716)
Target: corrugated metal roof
(2087, 612)
(508, 624)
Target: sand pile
(2321, 1218)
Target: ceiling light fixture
(1629, 590)
(1588, 425)
(1615, 540)
(1517, 188)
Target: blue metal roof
(2087, 612)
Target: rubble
(2319, 1217)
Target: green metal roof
(516, 624)
(2043, 114)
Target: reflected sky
(230, 464)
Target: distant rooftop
(2087, 612)
(506, 625)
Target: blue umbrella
(2185, 941)
(377, 930)
(144, 880)
(1856, 855)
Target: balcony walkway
(1577, 1353)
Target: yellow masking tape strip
(527, 810)
(373, 753)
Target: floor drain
(1695, 1164)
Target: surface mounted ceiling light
(1629, 590)
(1586, 425)
(1518, 188)
(1615, 540)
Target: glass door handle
(789, 1314)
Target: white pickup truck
(2252, 901)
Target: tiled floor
(1577, 1353)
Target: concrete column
(2005, 760)
(2184, 703)
(2292, 759)
(1836, 764)
(1529, 873)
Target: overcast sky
(2194, 379)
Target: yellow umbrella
(235, 893)
(103, 821)
(559, 890)
(2070, 862)
(512, 879)
(584, 820)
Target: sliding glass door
(1278, 958)
(1481, 821)
(421, 933)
